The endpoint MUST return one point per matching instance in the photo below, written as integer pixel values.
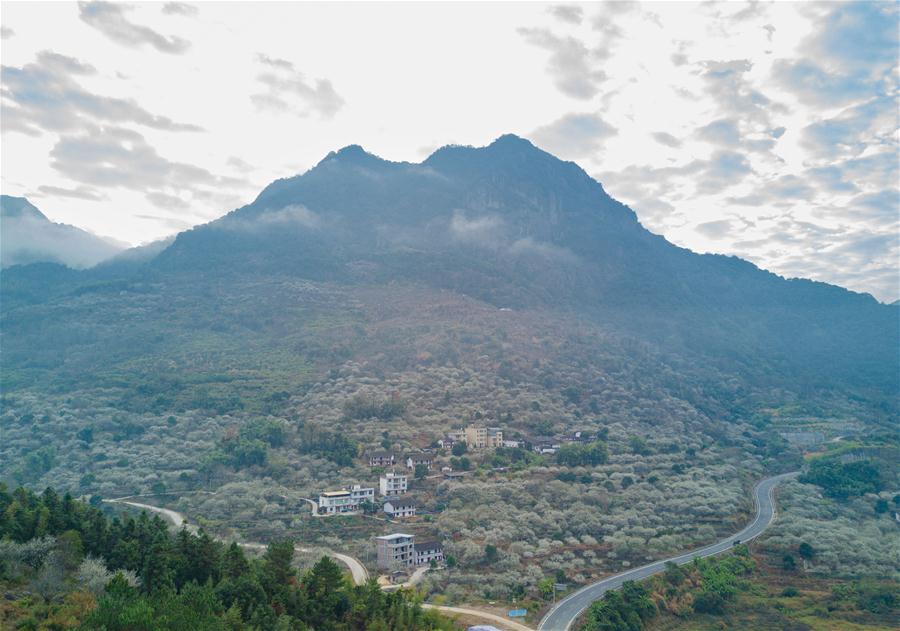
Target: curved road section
(357, 570)
(563, 614)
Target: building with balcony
(347, 500)
(428, 551)
(391, 484)
(396, 551)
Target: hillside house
(544, 444)
(414, 460)
(576, 437)
(429, 551)
(395, 551)
(391, 484)
(381, 459)
(399, 551)
(478, 437)
(347, 500)
(400, 508)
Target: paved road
(502, 622)
(357, 570)
(564, 613)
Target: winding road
(357, 570)
(564, 613)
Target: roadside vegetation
(68, 566)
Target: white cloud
(574, 135)
(109, 18)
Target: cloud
(6, 32)
(114, 157)
(569, 63)
(723, 170)
(715, 229)
(239, 165)
(287, 90)
(815, 86)
(851, 54)
(528, 246)
(485, 230)
(882, 207)
(574, 135)
(166, 201)
(179, 8)
(727, 84)
(80, 192)
(666, 139)
(857, 37)
(45, 96)
(109, 19)
(292, 215)
(720, 132)
(570, 13)
(854, 130)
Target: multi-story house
(396, 551)
(393, 484)
(400, 508)
(381, 459)
(347, 500)
(400, 551)
(429, 551)
(483, 437)
(413, 460)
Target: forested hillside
(374, 305)
(76, 569)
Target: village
(401, 478)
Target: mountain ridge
(29, 236)
(508, 226)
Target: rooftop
(394, 537)
(401, 502)
(429, 545)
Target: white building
(393, 484)
(347, 500)
(400, 508)
(429, 551)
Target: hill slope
(27, 236)
(505, 226)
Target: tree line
(159, 580)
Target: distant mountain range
(27, 236)
(507, 225)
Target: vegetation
(843, 480)
(580, 454)
(134, 575)
(742, 592)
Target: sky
(763, 130)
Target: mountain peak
(19, 207)
(353, 155)
(513, 141)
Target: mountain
(513, 226)
(27, 236)
(506, 226)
